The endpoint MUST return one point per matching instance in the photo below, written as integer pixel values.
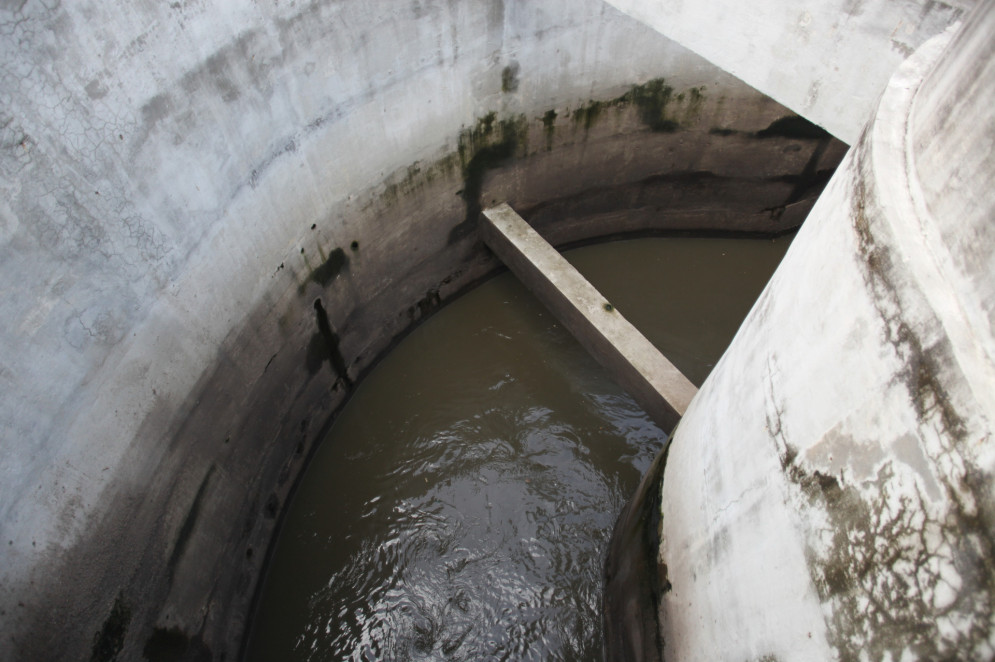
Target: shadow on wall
(305, 213)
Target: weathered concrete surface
(830, 493)
(633, 580)
(214, 218)
(639, 367)
(828, 61)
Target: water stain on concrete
(109, 641)
(328, 270)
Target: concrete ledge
(656, 384)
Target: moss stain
(549, 128)
(652, 100)
(588, 114)
(659, 108)
(488, 145)
(492, 142)
(695, 104)
(415, 177)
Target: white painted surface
(828, 60)
(829, 493)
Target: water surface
(461, 506)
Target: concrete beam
(655, 383)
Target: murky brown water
(461, 506)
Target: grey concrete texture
(215, 218)
(830, 493)
(828, 60)
(632, 361)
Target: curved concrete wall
(830, 493)
(828, 61)
(214, 220)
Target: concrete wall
(828, 61)
(830, 492)
(214, 219)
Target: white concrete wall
(830, 493)
(159, 163)
(828, 60)
(171, 176)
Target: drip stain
(324, 346)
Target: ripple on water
(461, 506)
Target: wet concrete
(462, 503)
